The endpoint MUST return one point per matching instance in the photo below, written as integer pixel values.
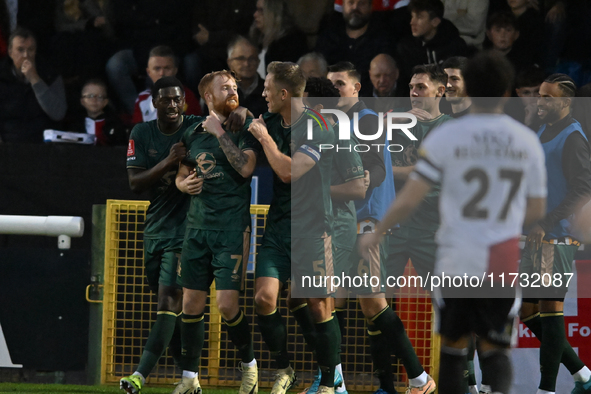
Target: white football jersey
(488, 165)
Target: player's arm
(244, 162)
(534, 211)
(404, 205)
(402, 173)
(280, 163)
(187, 181)
(141, 179)
(351, 190)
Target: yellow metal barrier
(129, 310)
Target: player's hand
(535, 237)
(367, 242)
(366, 179)
(177, 153)
(421, 114)
(202, 36)
(258, 128)
(212, 125)
(30, 71)
(237, 118)
(192, 184)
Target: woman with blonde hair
(275, 33)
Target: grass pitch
(28, 388)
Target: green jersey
(311, 204)
(148, 146)
(279, 216)
(224, 202)
(426, 216)
(346, 166)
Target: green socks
(274, 334)
(240, 334)
(192, 337)
(388, 322)
(551, 348)
(158, 341)
(570, 359)
(381, 356)
(328, 338)
(306, 323)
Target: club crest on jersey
(206, 162)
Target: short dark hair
(456, 62)
(22, 32)
(566, 84)
(289, 75)
(209, 77)
(163, 51)
(530, 76)
(502, 19)
(166, 82)
(347, 67)
(322, 91)
(488, 74)
(98, 82)
(435, 8)
(434, 71)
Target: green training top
(279, 216)
(311, 204)
(346, 166)
(426, 216)
(148, 146)
(224, 202)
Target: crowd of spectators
(51, 49)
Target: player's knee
(227, 309)
(319, 309)
(170, 299)
(265, 302)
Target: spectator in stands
(4, 28)
(384, 73)
(313, 65)
(99, 120)
(139, 26)
(527, 88)
(80, 47)
(243, 61)
(502, 30)
(32, 98)
(215, 23)
(469, 16)
(36, 16)
(358, 40)
(530, 23)
(161, 63)
(434, 38)
(276, 35)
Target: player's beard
(225, 108)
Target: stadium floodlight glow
(63, 227)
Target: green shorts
(542, 273)
(312, 267)
(161, 260)
(406, 243)
(367, 277)
(274, 257)
(341, 257)
(214, 254)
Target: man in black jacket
(31, 100)
(434, 38)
